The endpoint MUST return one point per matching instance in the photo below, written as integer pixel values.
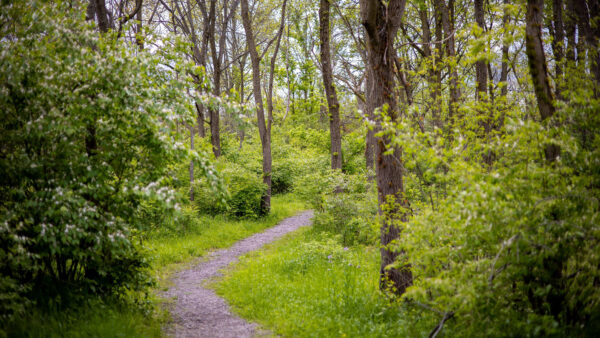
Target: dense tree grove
(461, 139)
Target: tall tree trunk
(594, 6)
(192, 133)
(215, 137)
(272, 68)
(537, 59)
(139, 40)
(200, 120)
(558, 40)
(381, 23)
(480, 66)
(570, 28)
(265, 137)
(332, 100)
(102, 16)
(437, 63)
(504, 65)
(369, 113)
(451, 54)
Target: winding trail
(198, 311)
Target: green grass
(95, 319)
(309, 285)
(167, 252)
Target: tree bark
(369, 113)
(265, 137)
(570, 29)
(272, 69)
(102, 16)
(537, 60)
(215, 137)
(381, 23)
(192, 133)
(558, 40)
(594, 6)
(504, 65)
(480, 65)
(332, 100)
(451, 54)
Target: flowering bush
(86, 136)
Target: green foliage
(348, 209)
(95, 318)
(245, 190)
(87, 137)
(512, 248)
(309, 285)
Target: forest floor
(198, 311)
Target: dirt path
(199, 312)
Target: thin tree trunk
(558, 43)
(272, 69)
(139, 40)
(265, 137)
(451, 54)
(215, 137)
(570, 28)
(437, 88)
(381, 23)
(594, 6)
(537, 59)
(200, 120)
(369, 113)
(480, 66)
(192, 133)
(332, 100)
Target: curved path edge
(200, 312)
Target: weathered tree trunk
(192, 133)
(537, 59)
(200, 120)
(480, 66)
(272, 68)
(381, 23)
(102, 15)
(594, 6)
(570, 28)
(504, 65)
(215, 137)
(332, 100)
(139, 40)
(369, 113)
(265, 137)
(451, 54)
(558, 40)
(437, 63)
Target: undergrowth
(139, 315)
(309, 284)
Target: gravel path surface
(199, 312)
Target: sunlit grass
(309, 285)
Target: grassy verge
(309, 285)
(167, 252)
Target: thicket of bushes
(87, 138)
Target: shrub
(245, 193)
(512, 249)
(283, 176)
(86, 139)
